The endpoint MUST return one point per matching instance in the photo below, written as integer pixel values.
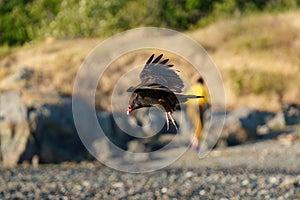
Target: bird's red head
(130, 109)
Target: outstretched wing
(157, 71)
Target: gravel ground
(73, 182)
(229, 178)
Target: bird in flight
(160, 85)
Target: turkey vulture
(158, 86)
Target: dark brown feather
(158, 86)
(160, 73)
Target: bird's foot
(170, 117)
(168, 121)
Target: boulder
(54, 132)
(241, 125)
(23, 73)
(101, 145)
(147, 127)
(291, 114)
(14, 128)
(274, 124)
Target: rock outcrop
(14, 128)
(47, 132)
(55, 136)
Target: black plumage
(159, 83)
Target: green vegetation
(23, 21)
(249, 81)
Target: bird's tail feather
(183, 98)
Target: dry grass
(258, 57)
(54, 65)
(267, 46)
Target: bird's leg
(173, 120)
(168, 121)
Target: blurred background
(255, 44)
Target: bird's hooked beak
(130, 109)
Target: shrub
(249, 81)
(22, 21)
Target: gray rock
(278, 124)
(22, 74)
(12, 109)
(275, 123)
(55, 134)
(105, 121)
(147, 127)
(14, 129)
(241, 125)
(120, 138)
(100, 145)
(136, 146)
(291, 114)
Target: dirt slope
(258, 57)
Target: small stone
(189, 174)
(118, 185)
(35, 161)
(245, 182)
(164, 190)
(86, 183)
(272, 180)
(202, 192)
